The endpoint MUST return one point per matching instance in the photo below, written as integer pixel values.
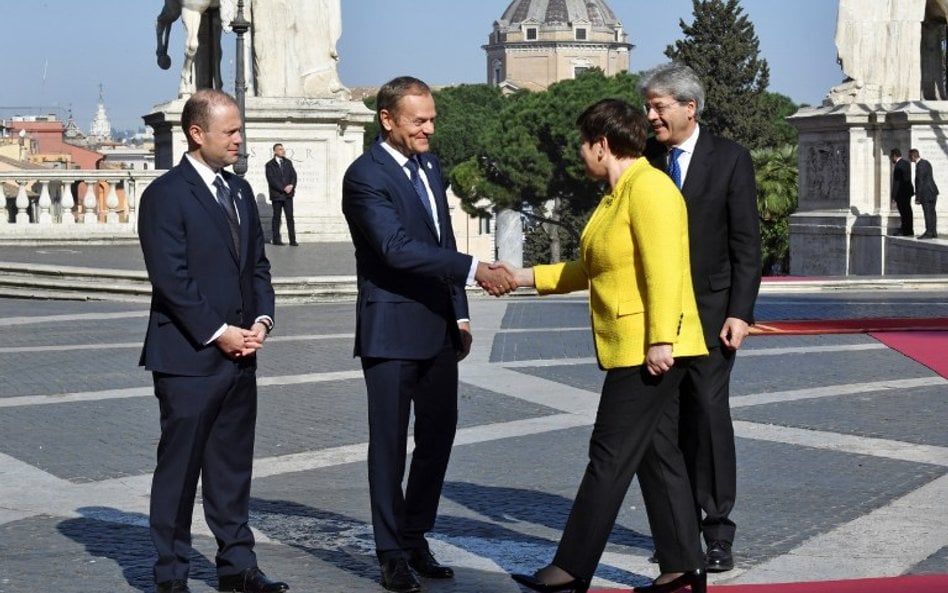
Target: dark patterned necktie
(227, 205)
(418, 184)
(674, 169)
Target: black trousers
(207, 431)
(905, 215)
(283, 207)
(931, 226)
(707, 441)
(400, 519)
(636, 432)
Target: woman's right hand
(523, 276)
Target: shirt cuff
(265, 320)
(472, 271)
(216, 335)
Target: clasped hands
(237, 342)
(500, 277)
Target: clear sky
(55, 53)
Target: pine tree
(723, 49)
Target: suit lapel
(243, 212)
(699, 167)
(406, 191)
(440, 200)
(207, 200)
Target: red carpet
(848, 326)
(934, 583)
(929, 348)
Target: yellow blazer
(634, 261)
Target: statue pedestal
(321, 136)
(845, 221)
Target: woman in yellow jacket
(634, 262)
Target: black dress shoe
(696, 579)
(719, 557)
(172, 587)
(294, 244)
(398, 577)
(278, 243)
(425, 564)
(251, 580)
(531, 582)
(925, 236)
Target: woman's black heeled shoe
(696, 579)
(531, 582)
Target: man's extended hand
(497, 281)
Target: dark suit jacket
(411, 284)
(723, 227)
(925, 188)
(199, 281)
(278, 178)
(902, 181)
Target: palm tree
(777, 191)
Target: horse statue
(203, 22)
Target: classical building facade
(538, 42)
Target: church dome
(538, 42)
(558, 13)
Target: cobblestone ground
(841, 444)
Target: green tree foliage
(531, 156)
(467, 118)
(780, 107)
(777, 191)
(723, 49)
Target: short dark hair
(277, 145)
(393, 91)
(197, 109)
(914, 154)
(895, 152)
(623, 125)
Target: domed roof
(558, 12)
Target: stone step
(54, 282)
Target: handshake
(502, 277)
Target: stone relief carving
(827, 170)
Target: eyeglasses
(659, 108)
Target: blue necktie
(674, 169)
(418, 184)
(227, 205)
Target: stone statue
(933, 57)
(881, 46)
(203, 21)
(294, 48)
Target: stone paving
(842, 449)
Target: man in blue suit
(211, 310)
(412, 324)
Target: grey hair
(676, 80)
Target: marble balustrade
(72, 204)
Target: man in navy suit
(211, 310)
(412, 324)
(716, 177)
(926, 193)
(281, 179)
(902, 192)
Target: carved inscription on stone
(827, 166)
